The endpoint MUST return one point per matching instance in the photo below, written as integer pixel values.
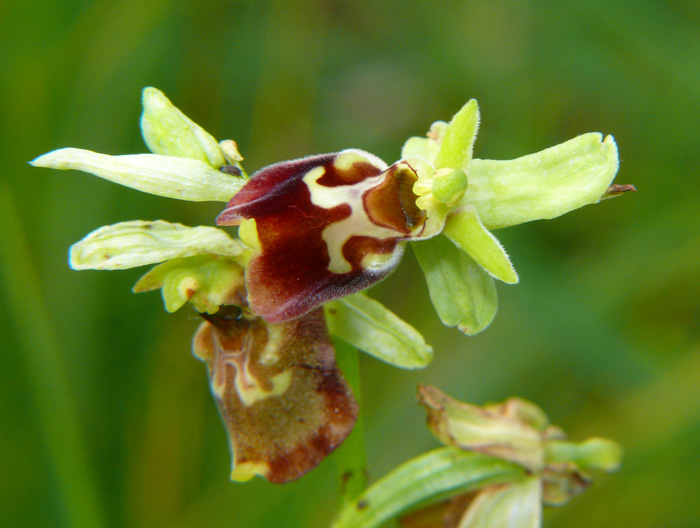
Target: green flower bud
(169, 132)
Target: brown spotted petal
(327, 226)
(283, 400)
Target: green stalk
(351, 457)
(51, 396)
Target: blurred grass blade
(463, 294)
(369, 326)
(423, 480)
(56, 414)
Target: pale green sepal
(543, 185)
(424, 480)
(458, 142)
(181, 178)
(516, 505)
(167, 131)
(368, 325)
(463, 294)
(425, 147)
(206, 281)
(139, 243)
(464, 229)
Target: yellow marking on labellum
(244, 471)
(379, 260)
(358, 223)
(347, 158)
(271, 352)
(250, 391)
(246, 385)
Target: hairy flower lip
(325, 227)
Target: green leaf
(169, 132)
(181, 178)
(207, 281)
(458, 142)
(139, 243)
(516, 505)
(462, 293)
(465, 229)
(542, 185)
(426, 479)
(369, 326)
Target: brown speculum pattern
(327, 226)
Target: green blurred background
(106, 418)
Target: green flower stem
(425, 480)
(351, 457)
(52, 399)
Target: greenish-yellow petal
(139, 243)
(463, 294)
(368, 325)
(167, 131)
(458, 142)
(206, 281)
(181, 178)
(425, 147)
(543, 185)
(464, 229)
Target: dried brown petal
(283, 400)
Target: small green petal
(463, 294)
(593, 454)
(169, 132)
(458, 141)
(449, 186)
(425, 147)
(464, 229)
(517, 505)
(207, 281)
(139, 243)
(369, 326)
(181, 178)
(424, 480)
(542, 185)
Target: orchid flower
(284, 402)
(327, 226)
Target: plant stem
(351, 457)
